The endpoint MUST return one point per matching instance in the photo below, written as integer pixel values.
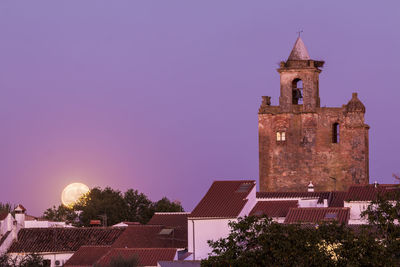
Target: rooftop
(370, 192)
(224, 199)
(273, 208)
(63, 239)
(87, 256)
(145, 256)
(317, 215)
(149, 236)
(299, 51)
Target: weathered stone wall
(308, 153)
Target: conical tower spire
(299, 51)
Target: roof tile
(63, 239)
(87, 256)
(148, 236)
(317, 215)
(273, 208)
(145, 256)
(174, 220)
(369, 192)
(224, 199)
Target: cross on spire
(299, 32)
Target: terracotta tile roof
(369, 192)
(4, 237)
(31, 217)
(224, 199)
(20, 208)
(336, 199)
(173, 219)
(319, 195)
(176, 220)
(87, 256)
(148, 236)
(317, 215)
(3, 216)
(145, 256)
(273, 208)
(63, 239)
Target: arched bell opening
(297, 91)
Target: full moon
(72, 193)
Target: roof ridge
(144, 248)
(172, 213)
(237, 181)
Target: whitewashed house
(358, 198)
(225, 201)
(7, 224)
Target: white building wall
(356, 208)
(204, 230)
(308, 203)
(251, 202)
(6, 224)
(44, 224)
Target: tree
(29, 260)
(139, 207)
(6, 208)
(107, 204)
(165, 205)
(111, 206)
(60, 213)
(383, 215)
(258, 241)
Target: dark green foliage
(60, 213)
(111, 207)
(6, 208)
(139, 207)
(383, 215)
(121, 262)
(258, 241)
(30, 260)
(166, 205)
(107, 204)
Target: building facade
(300, 141)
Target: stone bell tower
(301, 142)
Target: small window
(244, 187)
(280, 136)
(166, 231)
(335, 133)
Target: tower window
(335, 133)
(297, 92)
(280, 136)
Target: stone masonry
(301, 142)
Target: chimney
(20, 216)
(310, 187)
(375, 184)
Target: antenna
(299, 32)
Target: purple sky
(162, 96)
